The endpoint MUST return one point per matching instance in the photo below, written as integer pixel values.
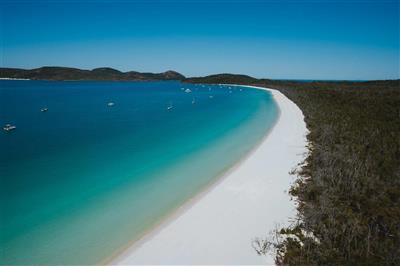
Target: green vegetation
(66, 73)
(223, 78)
(348, 188)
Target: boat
(9, 127)
(211, 96)
(44, 109)
(188, 90)
(170, 106)
(110, 104)
(193, 101)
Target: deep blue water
(83, 179)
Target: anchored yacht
(9, 127)
(170, 106)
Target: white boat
(44, 109)
(193, 101)
(188, 90)
(9, 127)
(110, 104)
(211, 96)
(170, 106)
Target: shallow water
(83, 179)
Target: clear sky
(271, 39)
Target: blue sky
(270, 39)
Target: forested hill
(66, 73)
(223, 78)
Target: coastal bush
(348, 189)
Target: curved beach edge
(219, 225)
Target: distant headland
(110, 74)
(67, 73)
(106, 73)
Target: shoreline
(180, 210)
(168, 232)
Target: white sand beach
(219, 225)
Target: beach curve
(219, 225)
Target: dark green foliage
(348, 191)
(66, 73)
(223, 78)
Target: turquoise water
(83, 180)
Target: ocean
(85, 178)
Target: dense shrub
(348, 189)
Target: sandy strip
(219, 225)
